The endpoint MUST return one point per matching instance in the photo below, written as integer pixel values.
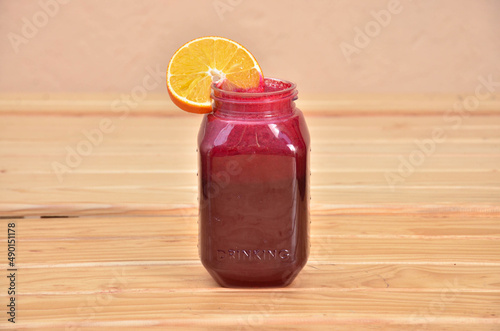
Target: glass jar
(253, 153)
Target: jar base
(229, 279)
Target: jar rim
(285, 91)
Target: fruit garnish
(203, 61)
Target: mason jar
(253, 154)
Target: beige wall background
(94, 46)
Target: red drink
(254, 187)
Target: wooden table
(403, 237)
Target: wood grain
(303, 307)
(160, 104)
(423, 254)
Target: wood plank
(154, 202)
(320, 324)
(174, 180)
(148, 129)
(183, 202)
(183, 277)
(118, 147)
(233, 307)
(391, 123)
(167, 209)
(324, 249)
(182, 162)
(323, 198)
(444, 225)
(101, 240)
(399, 123)
(158, 104)
(336, 226)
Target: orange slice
(200, 62)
